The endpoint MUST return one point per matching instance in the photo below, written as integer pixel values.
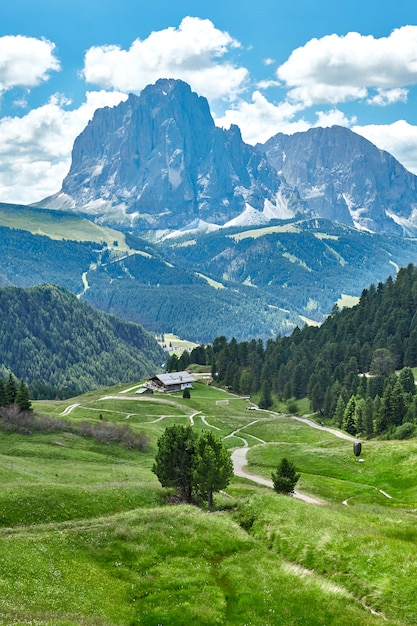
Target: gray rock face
(343, 177)
(159, 161)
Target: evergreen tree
(398, 407)
(286, 477)
(407, 381)
(172, 363)
(22, 397)
(175, 459)
(340, 411)
(349, 424)
(212, 467)
(265, 400)
(360, 415)
(369, 414)
(11, 389)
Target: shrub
(405, 431)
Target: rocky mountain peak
(157, 161)
(343, 177)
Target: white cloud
(340, 68)
(334, 117)
(35, 149)
(193, 52)
(25, 61)
(260, 119)
(383, 97)
(399, 139)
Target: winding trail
(333, 431)
(239, 456)
(69, 408)
(239, 463)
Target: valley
(93, 523)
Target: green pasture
(88, 536)
(59, 225)
(369, 550)
(162, 566)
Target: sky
(268, 66)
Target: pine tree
(11, 389)
(22, 397)
(265, 400)
(407, 381)
(369, 414)
(212, 467)
(286, 477)
(174, 460)
(340, 411)
(349, 424)
(360, 415)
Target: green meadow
(58, 225)
(89, 537)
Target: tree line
(346, 367)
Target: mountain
(343, 177)
(157, 161)
(62, 346)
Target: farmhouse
(176, 381)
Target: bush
(405, 431)
(292, 406)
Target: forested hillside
(28, 259)
(61, 346)
(346, 367)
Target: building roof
(175, 378)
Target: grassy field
(58, 225)
(88, 537)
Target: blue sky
(268, 66)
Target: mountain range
(166, 220)
(157, 162)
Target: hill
(88, 536)
(62, 346)
(349, 361)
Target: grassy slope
(86, 539)
(58, 225)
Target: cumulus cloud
(399, 139)
(25, 61)
(334, 117)
(260, 119)
(194, 52)
(340, 68)
(35, 149)
(383, 97)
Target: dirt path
(333, 431)
(69, 408)
(239, 456)
(239, 463)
